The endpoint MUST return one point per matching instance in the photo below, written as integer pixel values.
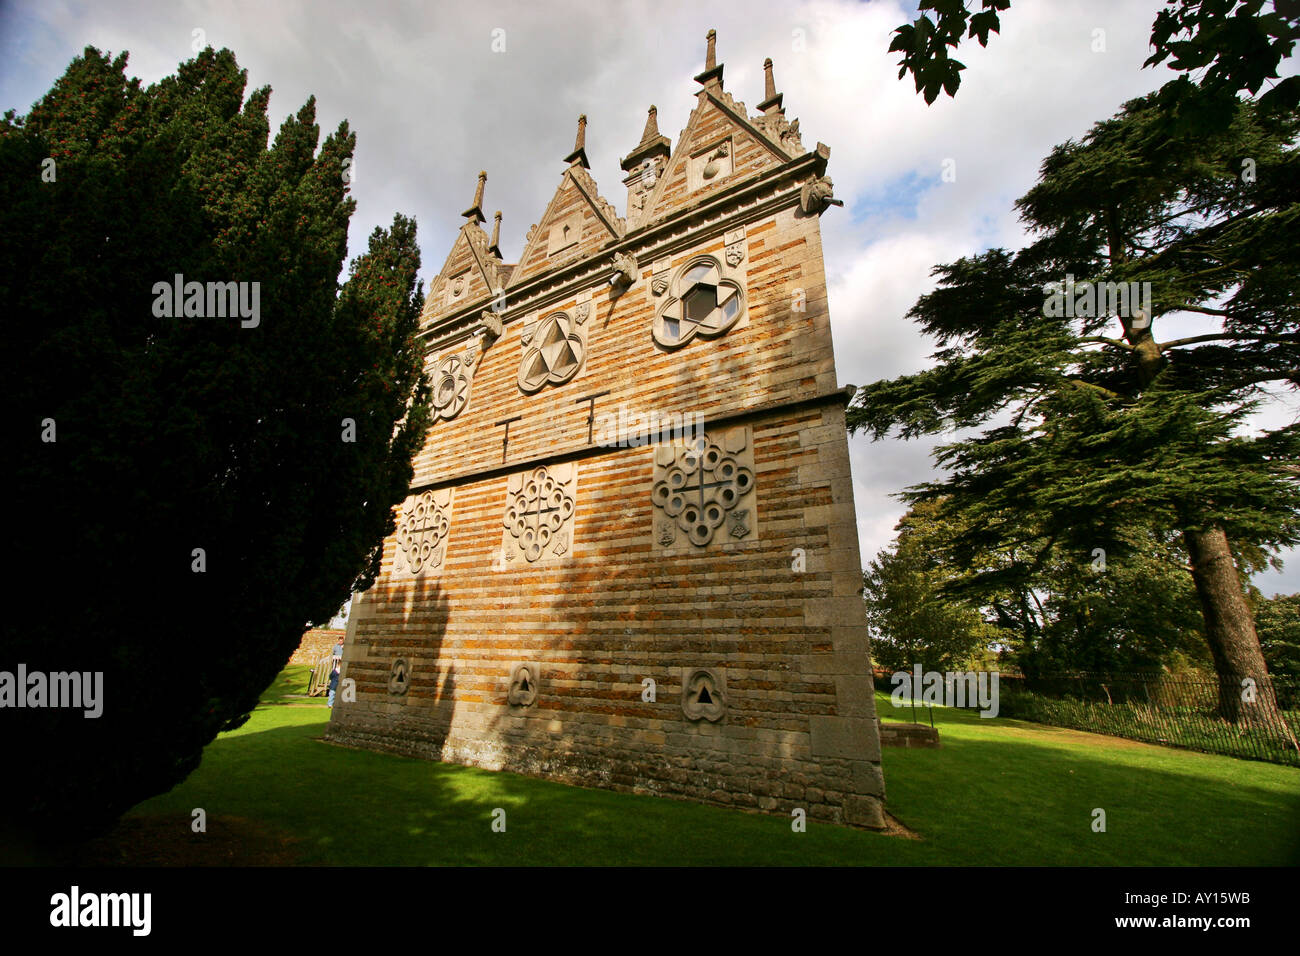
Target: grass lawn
(997, 792)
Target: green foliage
(1054, 610)
(924, 44)
(1278, 622)
(1137, 613)
(176, 434)
(1236, 45)
(912, 619)
(1179, 713)
(1096, 434)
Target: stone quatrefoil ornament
(537, 513)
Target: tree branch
(1105, 391)
(1119, 344)
(1217, 336)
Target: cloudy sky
(437, 91)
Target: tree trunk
(1229, 629)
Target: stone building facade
(629, 558)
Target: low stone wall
(316, 643)
(908, 735)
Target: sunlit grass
(997, 792)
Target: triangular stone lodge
(629, 556)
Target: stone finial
(475, 212)
(651, 125)
(712, 71)
(494, 246)
(771, 98)
(579, 153)
(652, 144)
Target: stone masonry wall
(799, 699)
(316, 643)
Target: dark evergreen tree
(189, 493)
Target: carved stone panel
(539, 515)
(422, 533)
(704, 492)
(452, 377)
(704, 694)
(735, 250)
(710, 165)
(564, 234)
(456, 286)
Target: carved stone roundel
(700, 489)
(451, 381)
(538, 512)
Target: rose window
(706, 300)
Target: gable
(719, 148)
(468, 275)
(577, 223)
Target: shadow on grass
(356, 807)
(997, 793)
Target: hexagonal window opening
(700, 302)
(706, 303)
